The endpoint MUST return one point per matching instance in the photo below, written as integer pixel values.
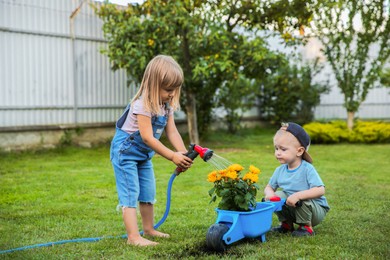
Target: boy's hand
(292, 200)
(269, 196)
(268, 192)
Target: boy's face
(287, 148)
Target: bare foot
(140, 241)
(155, 233)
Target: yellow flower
(235, 167)
(251, 177)
(255, 178)
(150, 42)
(254, 170)
(212, 177)
(232, 175)
(223, 173)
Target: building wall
(51, 69)
(376, 106)
(54, 78)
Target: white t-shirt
(131, 124)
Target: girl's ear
(300, 151)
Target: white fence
(376, 105)
(51, 68)
(52, 71)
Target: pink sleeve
(138, 108)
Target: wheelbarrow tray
(250, 224)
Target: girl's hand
(181, 161)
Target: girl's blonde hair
(161, 72)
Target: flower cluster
(236, 192)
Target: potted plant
(237, 193)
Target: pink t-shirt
(131, 124)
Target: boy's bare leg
(133, 235)
(147, 215)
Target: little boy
(300, 183)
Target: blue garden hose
(94, 239)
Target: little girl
(137, 139)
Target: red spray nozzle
(205, 153)
(195, 150)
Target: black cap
(303, 138)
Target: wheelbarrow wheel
(214, 237)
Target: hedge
(338, 132)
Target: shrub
(337, 132)
(370, 132)
(290, 93)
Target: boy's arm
(312, 193)
(269, 192)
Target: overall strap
(166, 112)
(123, 117)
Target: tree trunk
(191, 118)
(350, 118)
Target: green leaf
(225, 192)
(241, 185)
(211, 191)
(248, 196)
(213, 199)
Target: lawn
(69, 193)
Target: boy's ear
(301, 150)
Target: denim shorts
(134, 175)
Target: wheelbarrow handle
(277, 198)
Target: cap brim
(306, 156)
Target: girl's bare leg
(147, 215)
(133, 235)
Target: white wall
(51, 68)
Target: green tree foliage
(236, 96)
(289, 93)
(385, 77)
(356, 42)
(207, 39)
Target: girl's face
(287, 149)
(166, 94)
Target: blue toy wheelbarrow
(232, 226)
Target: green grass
(69, 193)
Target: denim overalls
(131, 160)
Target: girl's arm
(174, 136)
(146, 131)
